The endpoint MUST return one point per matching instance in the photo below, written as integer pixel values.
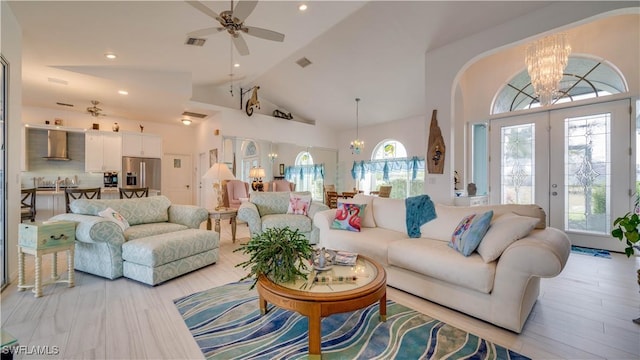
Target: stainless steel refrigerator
(141, 172)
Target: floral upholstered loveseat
(267, 210)
(162, 242)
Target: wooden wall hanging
(435, 148)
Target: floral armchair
(266, 210)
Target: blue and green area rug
(226, 324)
(590, 252)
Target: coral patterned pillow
(299, 204)
(469, 232)
(348, 217)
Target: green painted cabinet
(47, 234)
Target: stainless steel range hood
(57, 146)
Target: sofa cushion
(504, 230)
(447, 218)
(371, 242)
(272, 202)
(299, 222)
(348, 216)
(391, 214)
(153, 251)
(136, 211)
(469, 232)
(367, 220)
(437, 260)
(144, 230)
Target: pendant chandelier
(546, 59)
(357, 145)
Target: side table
(41, 238)
(223, 213)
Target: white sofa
(501, 291)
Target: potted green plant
(625, 228)
(281, 254)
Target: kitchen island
(50, 202)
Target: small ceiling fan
(233, 22)
(94, 110)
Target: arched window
(306, 175)
(250, 158)
(583, 78)
(390, 165)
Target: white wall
(11, 50)
(444, 66)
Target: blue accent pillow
(469, 232)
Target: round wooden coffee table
(345, 288)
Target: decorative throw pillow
(505, 230)
(469, 232)
(299, 204)
(348, 216)
(115, 216)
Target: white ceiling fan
(233, 22)
(94, 110)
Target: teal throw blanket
(420, 210)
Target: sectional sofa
(160, 241)
(498, 283)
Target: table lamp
(217, 173)
(257, 173)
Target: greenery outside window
(391, 166)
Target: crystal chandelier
(546, 59)
(357, 145)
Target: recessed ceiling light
(110, 56)
(186, 121)
(302, 7)
(236, 65)
(123, 92)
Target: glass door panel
(519, 160)
(590, 184)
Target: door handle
(188, 186)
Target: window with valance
(306, 175)
(390, 166)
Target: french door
(574, 163)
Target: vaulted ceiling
(372, 50)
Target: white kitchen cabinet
(103, 151)
(142, 145)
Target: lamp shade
(218, 171)
(257, 172)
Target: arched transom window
(583, 78)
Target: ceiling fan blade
(203, 8)
(240, 44)
(206, 31)
(244, 9)
(263, 33)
